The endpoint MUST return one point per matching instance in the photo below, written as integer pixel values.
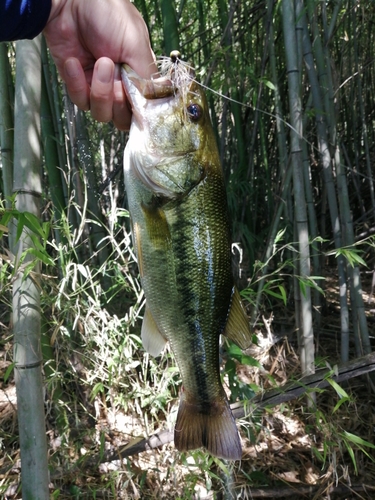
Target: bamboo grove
(291, 93)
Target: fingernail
(71, 68)
(105, 72)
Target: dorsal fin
(237, 327)
(153, 341)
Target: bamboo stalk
(326, 161)
(50, 149)
(327, 121)
(306, 336)
(362, 118)
(6, 124)
(170, 28)
(26, 288)
(97, 232)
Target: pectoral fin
(237, 328)
(153, 341)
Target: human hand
(86, 38)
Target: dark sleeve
(23, 18)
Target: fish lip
(152, 88)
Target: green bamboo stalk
(329, 29)
(313, 227)
(357, 304)
(362, 117)
(285, 174)
(295, 109)
(51, 157)
(170, 27)
(206, 56)
(55, 101)
(274, 227)
(97, 232)
(326, 161)
(26, 291)
(6, 124)
(50, 137)
(326, 122)
(77, 211)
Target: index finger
(137, 51)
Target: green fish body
(177, 203)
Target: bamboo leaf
(269, 84)
(283, 293)
(33, 222)
(235, 352)
(340, 391)
(20, 225)
(8, 372)
(352, 256)
(339, 403)
(351, 453)
(358, 440)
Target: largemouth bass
(177, 203)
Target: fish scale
(177, 202)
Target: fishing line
(180, 73)
(219, 94)
(183, 73)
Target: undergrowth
(103, 391)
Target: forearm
(23, 19)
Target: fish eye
(194, 112)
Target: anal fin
(237, 327)
(153, 341)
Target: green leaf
(234, 351)
(339, 403)
(358, 440)
(340, 391)
(20, 226)
(8, 371)
(280, 235)
(269, 84)
(250, 361)
(351, 453)
(41, 255)
(351, 255)
(99, 387)
(222, 466)
(283, 293)
(280, 296)
(34, 224)
(317, 454)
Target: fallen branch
(273, 397)
(306, 491)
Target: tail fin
(211, 426)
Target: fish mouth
(154, 88)
(140, 90)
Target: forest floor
(292, 451)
